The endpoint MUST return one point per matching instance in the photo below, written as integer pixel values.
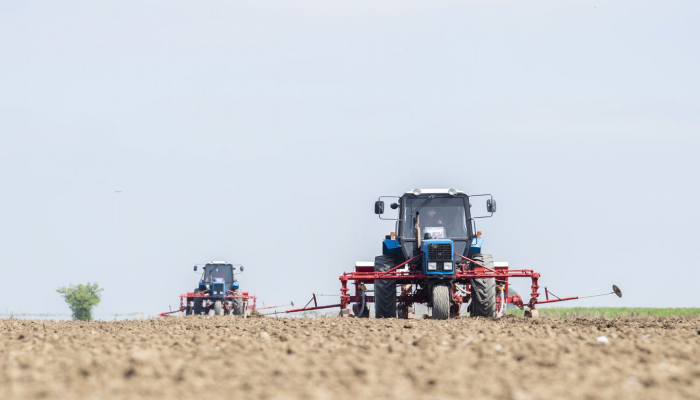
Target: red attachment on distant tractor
(189, 297)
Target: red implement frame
(414, 274)
(230, 295)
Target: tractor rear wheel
(384, 290)
(483, 291)
(218, 308)
(237, 304)
(197, 307)
(440, 296)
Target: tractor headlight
(447, 266)
(452, 192)
(416, 192)
(432, 266)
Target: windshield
(218, 273)
(442, 217)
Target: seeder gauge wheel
(365, 312)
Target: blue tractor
(434, 257)
(435, 246)
(218, 291)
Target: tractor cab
(218, 278)
(434, 222)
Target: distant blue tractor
(218, 291)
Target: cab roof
(434, 191)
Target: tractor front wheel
(440, 296)
(483, 291)
(384, 290)
(218, 308)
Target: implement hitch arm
(315, 307)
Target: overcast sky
(139, 138)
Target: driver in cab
(433, 223)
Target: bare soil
(344, 358)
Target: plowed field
(336, 358)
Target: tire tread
(483, 290)
(384, 290)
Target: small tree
(81, 299)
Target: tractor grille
(439, 252)
(218, 289)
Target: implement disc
(617, 291)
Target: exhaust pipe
(416, 228)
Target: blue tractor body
(391, 246)
(475, 246)
(438, 257)
(203, 286)
(218, 289)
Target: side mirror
(242, 268)
(379, 207)
(491, 205)
(394, 206)
(195, 268)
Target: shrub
(81, 299)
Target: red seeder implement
(208, 303)
(409, 273)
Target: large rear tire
(440, 295)
(197, 308)
(483, 290)
(237, 304)
(384, 290)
